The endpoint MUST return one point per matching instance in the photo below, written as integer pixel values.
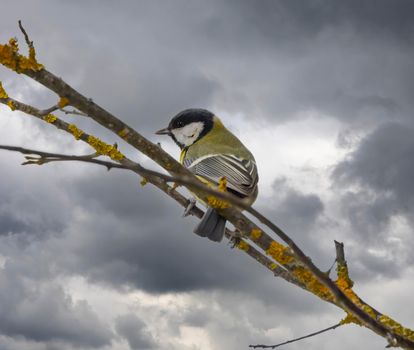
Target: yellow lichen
(368, 309)
(3, 93)
(217, 203)
(222, 184)
(11, 105)
(273, 266)
(350, 319)
(14, 45)
(345, 287)
(77, 133)
(255, 234)
(63, 102)
(384, 320)
(312, 284)
(242, 245)
(280, 253)
(123, 133)
(396, 327)
(342, 273)
(103, 148)
(32, 53)
(143, 182)
(50, 118)
(10, 57)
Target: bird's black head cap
(189, 116)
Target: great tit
(212, 152)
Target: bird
(212, 152)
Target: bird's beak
(164, 131)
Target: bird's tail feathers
(212, 226)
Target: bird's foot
(191, 204)
(235, 238)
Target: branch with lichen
(287, 261)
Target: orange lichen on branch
(75, 131)
(123, 133)
(11, 105)
(222, 184)
(242, 245)
(50, 118)
(143, 182)
(396, 327)
(345, 286)
(280, 253)
(104, 149)
(350, 319)
(217, 203)
(255, 234)
(3, 93)
(343, 275)
(63, 102)
(10, 58)
(312, 284)
(274, 266)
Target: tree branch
(47, 157)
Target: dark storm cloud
(10, 225)
(145, 61)
(295, 210)
(37, 309)
(134, 331)
(376, 183)
(26, 207)
(383, 164)
(296, 213)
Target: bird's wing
(241, 174)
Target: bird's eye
(180, 124)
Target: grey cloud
(374, 186)
(10, 225)
(42, 312)
(383, 164)
(159, 257)
(30, 204)
(293, 210)
(350, 60)
(134, 331)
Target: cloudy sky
(321, 91)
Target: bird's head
(188, 126)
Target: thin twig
(47, 157)
(74, 112)
(26, 36)
(49, 110)
(261, 346)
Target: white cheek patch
(188, 134)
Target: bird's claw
(235, 238)
(190, 206)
